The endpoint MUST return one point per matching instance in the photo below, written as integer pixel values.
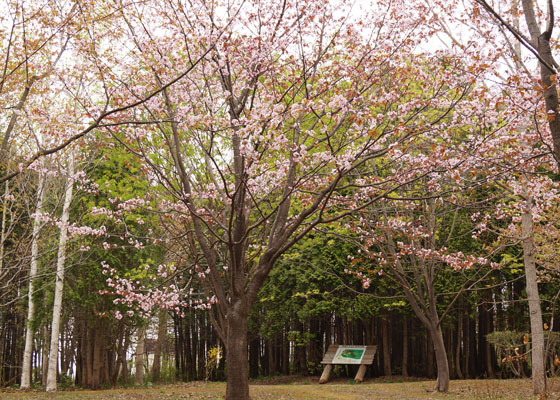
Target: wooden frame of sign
(356, 355)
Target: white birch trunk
(26, 366)
(59, 285)
(3, 234)
(538, 370)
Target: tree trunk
(26, 366)
(473, 353)
(254, 346)
(139, 377)
(405, 348)
(237, 377)
(429, 354)
(386, 348)
(162, 336)
(442, 384)
(120, 338)
(489, 350)
(59, 285)
(3, 228)
(538, 369)
(97, 358)
(45, 356)
(285, 352)
(301, 358)
(122, 356)
(202, 341)
(466, 345)
(459, 342)
(271, 358)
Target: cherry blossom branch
(95, 124)
(518, 35)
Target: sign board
(349, 355)
(359, 355)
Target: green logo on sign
(352, 353)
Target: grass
(303, 389)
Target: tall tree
(59, 279)
(504, 43)
(261, 145)
(27, 352)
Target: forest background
(233, 186)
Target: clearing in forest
(483, 389)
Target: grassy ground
(512, 389)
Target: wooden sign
(357, 355)
(349, 355)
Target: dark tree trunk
(192, 332)
(178, 345)
(237, 377)
(254, 357)
(271, 358)
(386, 346)
(405, 348)
(466, 346)
(285, 352)
(263, 353)
(490, 356)
(162, 336)
(201, 346)
(436, 335)
(45, 355)
(430, 354)
(473, 354)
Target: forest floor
(304, 389)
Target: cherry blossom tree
(408, 237)
(58, 47)
(537, 121)
(540, 43)
(265, 138)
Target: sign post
(355, 355)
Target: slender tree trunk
(237, 366)
(45, 356)
(466, 345)
(202, 341)
(405, 348)
(97, 357)
(436, 335)
(386, 348)
(125, 374)
(429, 355)
(301, 350)
(3, 228)
(162, 336)
(538, 369)
(118, 350)
(285, 351)
(26, 366)
(139, 377)
(270, 360)
(489, 353)
(459, 342)
(59, 285)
